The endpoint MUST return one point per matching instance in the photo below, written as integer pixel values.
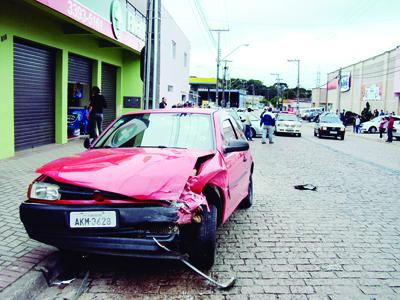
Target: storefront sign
(372, 92)
(124, 23)
(132, 102)
(345, 82)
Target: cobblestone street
(340, 242)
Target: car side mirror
(87, 143)
(236, 146)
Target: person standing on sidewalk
(268, 123)
(163, 103)
(96, 106)
(390, 126)
(247, 124)
(357, 123)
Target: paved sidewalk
(18, 253)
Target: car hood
(331, 125)
(140, 173)
(287, 122)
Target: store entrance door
(79, 87)
(108, 90)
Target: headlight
(341, 129)
(323, 128)
(45, 191)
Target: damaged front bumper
(132, 235)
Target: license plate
(332, 132)
(93, 219)
(289, 130)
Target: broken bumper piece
(131, 235)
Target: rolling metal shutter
(108, 90)
(34, 96)
(79, 69)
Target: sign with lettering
(132, 102)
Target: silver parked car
(329, 124)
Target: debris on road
(306, 187)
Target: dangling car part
(182, 258)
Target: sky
(323, 35)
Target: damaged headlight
(45, 191)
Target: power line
(204, 21)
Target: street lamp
(298, 80)
(225, 60)
(242, 45)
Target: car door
(237, 165)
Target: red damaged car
(173, 175)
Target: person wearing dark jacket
(96, 106)
(268, 124)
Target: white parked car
(396, 130)
(288, 124)
(372, 126)
(256, 129)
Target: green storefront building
(52, 52)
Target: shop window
(170, 88)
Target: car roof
(193, 110)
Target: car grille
(334, 128)
(72, 192)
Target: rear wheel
(372, 130)
(204, 244)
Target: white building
(174, 58)
(375, 80)
(174, 61)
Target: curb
(35, 281)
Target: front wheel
(204, 244)
(342, 137)
(372, 130)
(315, 133)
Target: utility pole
(218, 60)
(278, 88)
(298, 81)
(223, 102)
(152, 55)
(339, 88)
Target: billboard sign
(345, 82)
(372, 92)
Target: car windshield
(287, 118)
(330, 119)
(160, 130)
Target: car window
(228, 132)
(172, 130)
(238, 130)
(287, 118)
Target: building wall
(173, 71)
(21, 20)
(379, 71)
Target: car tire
(299, 134)
(342, 137)
(248, 201)
(319, 135)
(372, 129)
(315, 133)
(203, 248)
